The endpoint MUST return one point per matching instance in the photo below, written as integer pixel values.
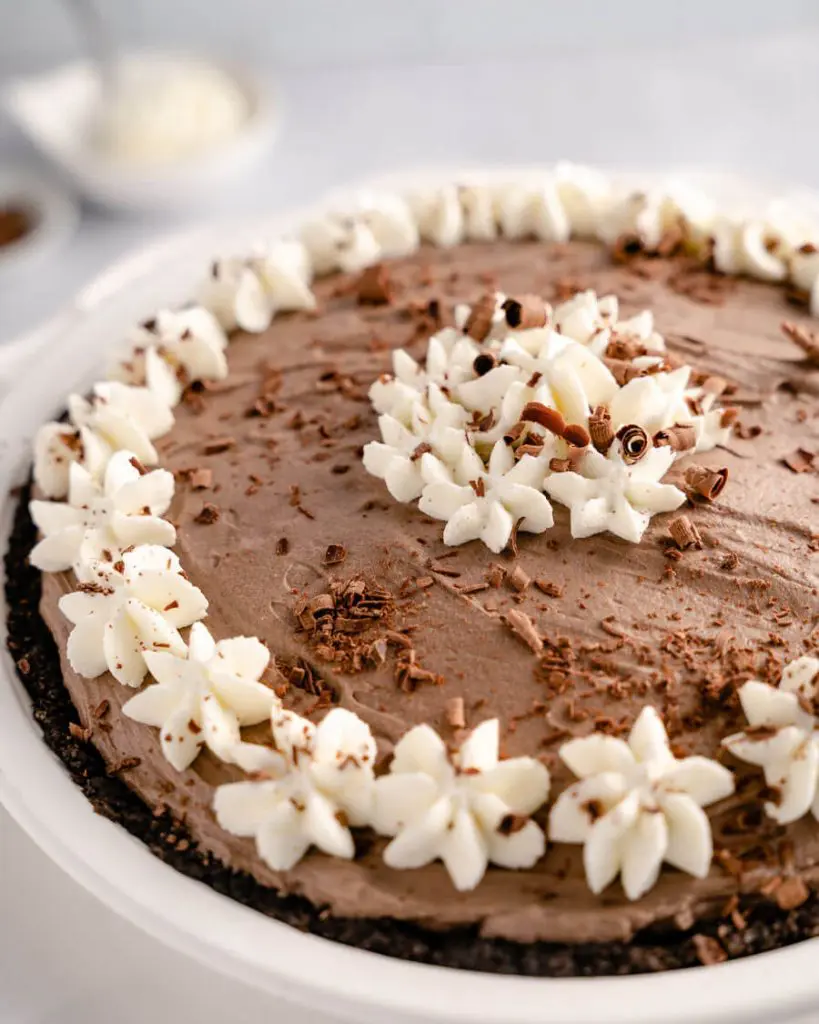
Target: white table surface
(66, 959)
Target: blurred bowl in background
(36, 219)
(103, 143)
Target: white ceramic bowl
(229, 938)
(54, 110)
(56, 219)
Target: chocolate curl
(634, 442)
(623, 371)
(682, 437)
(525, 312)
(551, 419)
(601, 430)
(479, 322)
(730, 414)
(374, 287)
(684, 533)
(424, 448)
(714, 386)
(705, 483)
(455, 712)
(623, 349)
(804, 338)
(576, 435)
(626, 247)
(484, 363)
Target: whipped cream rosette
(322, 784)
(782, 738)
(467, 808)
(127, 607)
(122, 512)
(637, 806)
(190, 340)
(202, 698)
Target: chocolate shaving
(805, 339)
(523, 627)
(601, 430)
(518, 579)
(634, 442)
(576, 435)
(549, 589)
(495, 575)
(218, 445)
(525, 312)
(551, 419)
(800, 461)
(208, 515)
(708, 950)
(481, 316)
(79, 733)
(374, 286)
(512, 823)
(705, 483)
(791, 893)
(424, 448)
(714, 385)
(455, 712)
(684, 533)
(201, 479)
(335, 554)
(282, 546)
(682, 437)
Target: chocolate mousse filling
(363, 606)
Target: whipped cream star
(123, 416)
(439, 215)
(124, 511)
(654, 402)
(532, 211)
(493, 500)
(324, 785)
(744, 248)
(337, 242)
(585, 194)
(235, 295)
(478, 205)
(636, 806)
(204, 698)
(57, 446)
(285, 272)
(468, 809)
(390, 220)
(246, 293)
(649, 215)
(610, 495)
(782, 738)
(125, 608)
(570, 378)
(449, 360)
(190, 340)
(438, 429)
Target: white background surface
(741, 102)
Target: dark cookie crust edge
(655, 949)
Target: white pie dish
(221, 933)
